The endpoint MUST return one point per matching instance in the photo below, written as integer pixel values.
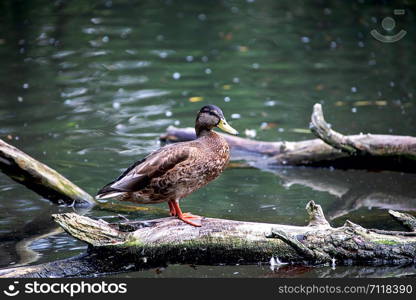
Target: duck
(174, 171)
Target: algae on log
(331, 149)
(135, 245)
(40, 178)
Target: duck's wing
(142, 172)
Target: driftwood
(135, 245)
(331, 149)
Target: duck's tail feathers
(108, 195)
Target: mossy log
(135, 245)
(330, 149)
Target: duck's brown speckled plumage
(175, 171)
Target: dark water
(88, 87)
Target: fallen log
(40, 178)
(135, 245)
(331, 149)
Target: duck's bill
(223, 125)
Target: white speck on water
(105, 39)
(202, 17)
(168, 113)
(361, 44)
(392, 84)
(204, 58)
(236, 80)
(208, 71)
(25, 85)
(235, 116)
(270, 103)
(116, 105)
(250, 133)
(327, 11)
(235, 273)
(120, 126)
(333, 45)
(160, 37)
(280, 129)
(305, 39)
(177, 123)
(353, 89)
(354, 110)
(20, 99)
(189, 58)
(176, 75)
(96, 21)
(255, 66)
(163, 54)
(227, 99)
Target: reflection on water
(87, 88)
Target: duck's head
(211, 116)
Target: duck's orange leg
(186, 217)
(172, 210)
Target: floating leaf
(340, 103)
(243, 48)
(196, 99)
(226, 86)
(301, 130)
(381, 103)
(362, 103)
(268, 125)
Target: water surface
(88, 87)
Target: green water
(88, 87)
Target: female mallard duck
(175, 171)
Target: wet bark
(135, 245)
(331, 149)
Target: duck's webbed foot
(188, 218)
